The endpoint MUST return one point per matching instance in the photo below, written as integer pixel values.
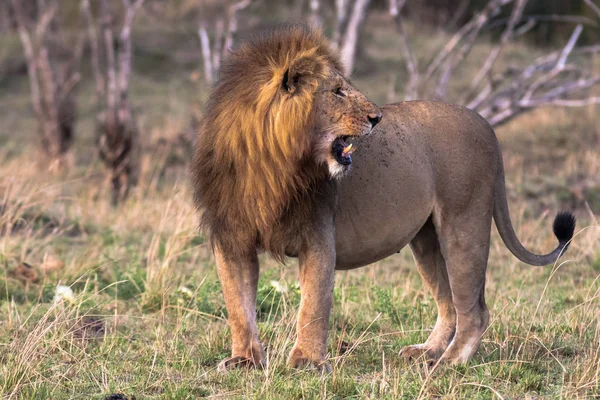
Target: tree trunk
(117, 131)
(51, 82)
(348, 47)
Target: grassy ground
(144, 315)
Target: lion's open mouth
(342, 150)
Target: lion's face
(342, 113)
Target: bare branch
(548, 80)
(69, 85)
(80, 43)
(409, 59)
(549, 89)
(468, 40)
(109, 53)
(395, 7)
(539, 82)
(51, 80)
(562, 102)
(526, 27)
(560, 64)
(459, 13)
(49, 91)
(47, 17)
(341, 12)
(563, 18)
(218, 52)
(125, 48)
(31, 59)
(95, 56)
(594, 7)
(348, 48)
(116, 130)
(568, 88)
(481, 97)
(475, 23)
(315, 18)
(205, 46)
(508, 33)
(452, 63)
(232, 22)
(215, 48)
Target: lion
(274, 170)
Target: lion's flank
(252, 150)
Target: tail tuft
(564, 226)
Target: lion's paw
(418, 352)
(298, 360)
(238, 362)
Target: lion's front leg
(239, 279)
(317, 267)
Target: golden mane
(253, 152)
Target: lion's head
(278, 120)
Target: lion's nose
(374, 119)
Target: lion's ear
(290, 81)
(298, 72)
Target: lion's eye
(339, 92)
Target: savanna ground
(147, 317)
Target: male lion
(270, 172)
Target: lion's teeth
(348, 149)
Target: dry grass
(146, 278)
(146, 317)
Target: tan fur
(265, 178)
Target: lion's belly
(385, 200)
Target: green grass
(147, 317)
(172, 350)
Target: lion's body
(411, 167)
(266, 172)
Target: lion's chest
(312, 211)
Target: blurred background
(103, 84)
(99, 104)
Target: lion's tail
(563, 227)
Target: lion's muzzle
(342, 149)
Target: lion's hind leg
(239, 279)
(432, 268)
(464, 243)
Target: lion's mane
(253, 153)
